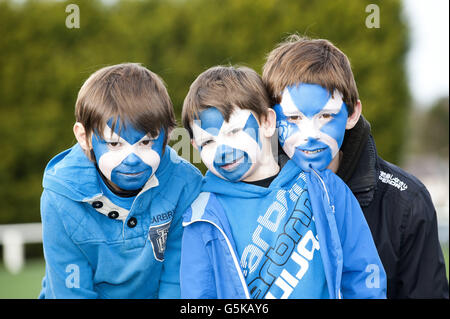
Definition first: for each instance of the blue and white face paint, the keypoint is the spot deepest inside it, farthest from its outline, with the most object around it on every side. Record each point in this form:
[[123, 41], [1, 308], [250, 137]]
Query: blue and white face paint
[[230, 150], [128, 160], [311, 124]]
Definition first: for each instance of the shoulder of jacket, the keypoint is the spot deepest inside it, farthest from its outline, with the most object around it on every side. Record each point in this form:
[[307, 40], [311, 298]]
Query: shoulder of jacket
[[180, 178], [55, 206], [198, 207], [398, 180], [181, 168], [405, 191], [206, 207]]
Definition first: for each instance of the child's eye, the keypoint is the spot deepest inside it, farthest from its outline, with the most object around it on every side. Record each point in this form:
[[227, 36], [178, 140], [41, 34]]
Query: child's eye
[[294, 118], [236, 130], [146, 142], [326, 116], [114, 145], [206, 143]]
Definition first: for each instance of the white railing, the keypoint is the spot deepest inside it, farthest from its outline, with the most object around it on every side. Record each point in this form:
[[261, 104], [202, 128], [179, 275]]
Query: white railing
[[13, 237]]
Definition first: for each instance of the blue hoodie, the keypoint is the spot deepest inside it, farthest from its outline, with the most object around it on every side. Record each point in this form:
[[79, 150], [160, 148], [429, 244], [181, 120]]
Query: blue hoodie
[[95, 249], [210, 265]]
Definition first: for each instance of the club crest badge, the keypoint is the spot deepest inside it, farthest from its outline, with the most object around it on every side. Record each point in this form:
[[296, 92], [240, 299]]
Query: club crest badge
[[158, 238]]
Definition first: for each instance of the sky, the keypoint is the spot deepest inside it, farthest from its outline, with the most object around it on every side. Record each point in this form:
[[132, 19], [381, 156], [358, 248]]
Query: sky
[[428, 58]]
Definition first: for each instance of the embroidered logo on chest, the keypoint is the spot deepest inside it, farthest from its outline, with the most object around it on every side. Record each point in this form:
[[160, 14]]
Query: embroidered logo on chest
[[158, 238]]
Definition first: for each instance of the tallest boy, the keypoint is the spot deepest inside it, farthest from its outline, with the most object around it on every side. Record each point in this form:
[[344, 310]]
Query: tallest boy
[[320, 125]]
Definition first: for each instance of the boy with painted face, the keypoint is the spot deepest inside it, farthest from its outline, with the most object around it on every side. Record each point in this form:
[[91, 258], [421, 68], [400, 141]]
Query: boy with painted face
[[112, 204], [257, 231], [311, 124], [321, 127]]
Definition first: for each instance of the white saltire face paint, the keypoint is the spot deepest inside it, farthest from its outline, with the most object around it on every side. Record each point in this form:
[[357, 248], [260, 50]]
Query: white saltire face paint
[[230, 150], [311, 124], [128, 160]]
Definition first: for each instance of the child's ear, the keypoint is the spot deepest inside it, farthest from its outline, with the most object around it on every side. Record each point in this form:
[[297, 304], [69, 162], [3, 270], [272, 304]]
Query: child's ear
[[80, 134], [269, 123], [353, 119], [194, 145]]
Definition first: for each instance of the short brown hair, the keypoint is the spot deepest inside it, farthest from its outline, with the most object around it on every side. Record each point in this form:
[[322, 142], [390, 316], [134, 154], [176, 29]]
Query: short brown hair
[[225, 87], [127, 91], [316, 61]]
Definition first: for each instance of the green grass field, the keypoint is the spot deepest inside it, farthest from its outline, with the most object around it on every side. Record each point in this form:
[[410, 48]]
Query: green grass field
[[24, 285], [27, 284]]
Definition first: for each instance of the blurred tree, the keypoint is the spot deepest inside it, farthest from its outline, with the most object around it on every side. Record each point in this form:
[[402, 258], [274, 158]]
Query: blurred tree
[[43, 64], [434, 138]]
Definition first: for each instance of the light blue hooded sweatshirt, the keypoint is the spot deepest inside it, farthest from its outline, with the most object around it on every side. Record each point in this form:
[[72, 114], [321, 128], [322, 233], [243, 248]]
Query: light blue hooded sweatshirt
[[95, 249], [211, 266]]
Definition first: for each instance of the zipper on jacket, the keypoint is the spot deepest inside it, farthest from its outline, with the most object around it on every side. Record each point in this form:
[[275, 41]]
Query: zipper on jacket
[[338, 293], [236, 263], [325, 188]]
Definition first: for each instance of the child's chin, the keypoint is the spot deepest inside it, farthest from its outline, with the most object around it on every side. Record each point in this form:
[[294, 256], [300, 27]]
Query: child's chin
[[231, 179], [318, 164], [228, 177], [131, 184]]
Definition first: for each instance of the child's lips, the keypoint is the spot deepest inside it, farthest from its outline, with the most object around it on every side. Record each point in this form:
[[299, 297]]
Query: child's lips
[[132, 174], [312, 152], [231, 166]]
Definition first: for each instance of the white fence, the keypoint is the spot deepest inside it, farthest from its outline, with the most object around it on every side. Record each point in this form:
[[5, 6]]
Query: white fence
[[13, 237]]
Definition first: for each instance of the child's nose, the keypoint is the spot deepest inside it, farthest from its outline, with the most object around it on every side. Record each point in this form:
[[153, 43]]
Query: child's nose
[[131, 160], [309, 130], [225, 154]]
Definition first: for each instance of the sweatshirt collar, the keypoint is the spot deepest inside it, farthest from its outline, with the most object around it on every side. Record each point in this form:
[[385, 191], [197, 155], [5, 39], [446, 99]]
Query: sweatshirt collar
[[214, 184]]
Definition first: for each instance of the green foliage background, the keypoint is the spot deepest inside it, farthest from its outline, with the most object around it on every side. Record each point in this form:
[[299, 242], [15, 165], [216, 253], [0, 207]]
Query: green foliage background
[[43, 64]]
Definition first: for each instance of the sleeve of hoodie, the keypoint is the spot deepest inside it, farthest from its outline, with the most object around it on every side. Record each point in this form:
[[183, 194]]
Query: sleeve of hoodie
[[68, 274], [169, 286], [421, 266], [363, 275], [196, 274]]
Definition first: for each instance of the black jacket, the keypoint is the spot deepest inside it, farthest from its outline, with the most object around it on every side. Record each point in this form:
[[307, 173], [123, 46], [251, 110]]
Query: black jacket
[[401, 217]]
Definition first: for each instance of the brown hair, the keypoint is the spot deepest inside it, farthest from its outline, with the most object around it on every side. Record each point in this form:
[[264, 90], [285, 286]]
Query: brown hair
[[316, 61], [127, 91], [225, 87]]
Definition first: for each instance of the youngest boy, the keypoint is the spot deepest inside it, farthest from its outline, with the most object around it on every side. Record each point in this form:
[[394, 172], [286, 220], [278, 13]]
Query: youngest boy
[[257, 231], [112, 204]]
